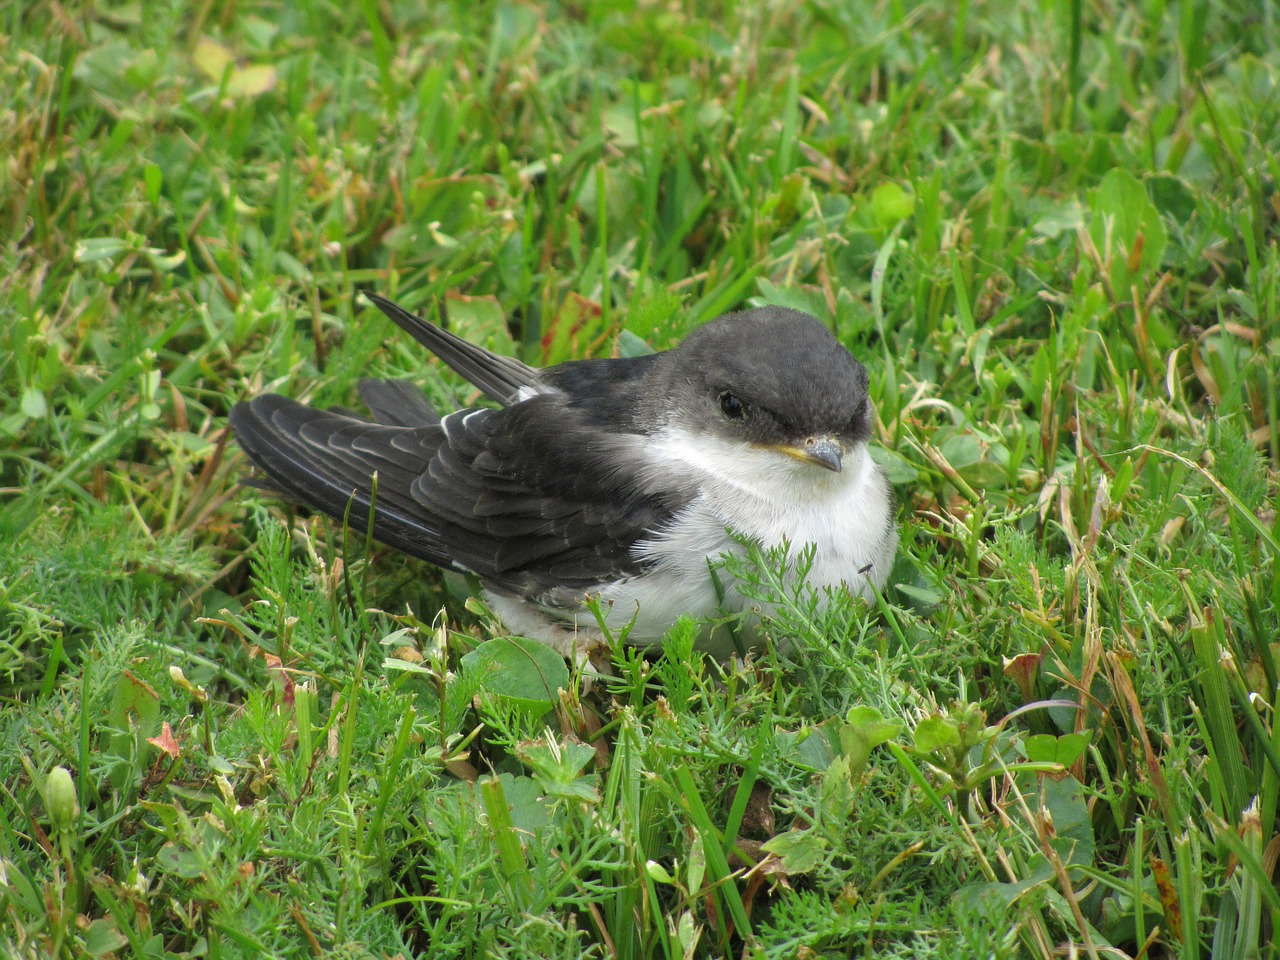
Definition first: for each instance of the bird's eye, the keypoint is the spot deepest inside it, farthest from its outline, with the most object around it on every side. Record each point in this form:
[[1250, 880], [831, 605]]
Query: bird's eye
[[733, 408]]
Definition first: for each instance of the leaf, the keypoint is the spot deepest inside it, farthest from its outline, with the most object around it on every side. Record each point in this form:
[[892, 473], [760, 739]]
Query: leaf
[[630, 345], [837, 791], [212, 58], [864, 729], [696, 866], [1172, 196], [972, 457], [936, 733], [165, 262], [808, 747], [525, 673], [102, 936], [99, 249], [890, 203], [1059, 218], [1066, 750], [898, 468], [620, 121], [1126, 229], [134, 701], [33, 403], [558, 766], [1073, 829], [658, 873], [799, 850], [962, 449], [529, 812], [180, 861], [983, 896], [166, 741], [805, 299], [1023, 670], [924, 596], [252, 80]]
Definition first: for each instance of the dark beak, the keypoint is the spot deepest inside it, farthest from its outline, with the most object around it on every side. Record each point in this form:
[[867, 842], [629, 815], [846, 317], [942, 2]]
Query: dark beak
[[821, 451]]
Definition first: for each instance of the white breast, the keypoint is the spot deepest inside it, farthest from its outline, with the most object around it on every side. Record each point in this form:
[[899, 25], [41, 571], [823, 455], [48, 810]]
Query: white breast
[[768, 498]]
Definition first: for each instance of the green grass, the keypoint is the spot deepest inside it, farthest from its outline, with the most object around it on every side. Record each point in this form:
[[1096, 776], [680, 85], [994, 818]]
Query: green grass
[[1050, 230]]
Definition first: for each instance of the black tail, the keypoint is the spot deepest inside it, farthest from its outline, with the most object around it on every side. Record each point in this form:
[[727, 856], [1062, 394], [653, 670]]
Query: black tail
[[328, 460], [501, 378]]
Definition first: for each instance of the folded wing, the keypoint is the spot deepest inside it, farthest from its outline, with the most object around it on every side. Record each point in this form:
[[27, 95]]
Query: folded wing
[[531, 498], [504, 379]]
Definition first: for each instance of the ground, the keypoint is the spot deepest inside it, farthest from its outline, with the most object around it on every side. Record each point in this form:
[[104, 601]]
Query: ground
[[1049, 230]]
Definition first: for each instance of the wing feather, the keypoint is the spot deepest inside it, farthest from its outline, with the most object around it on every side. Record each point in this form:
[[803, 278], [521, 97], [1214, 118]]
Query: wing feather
[[532, 498], [397, 401], [501, 378]]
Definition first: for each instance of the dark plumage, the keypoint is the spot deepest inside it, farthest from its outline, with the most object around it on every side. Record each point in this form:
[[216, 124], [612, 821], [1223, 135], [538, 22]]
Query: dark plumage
[[548, 497]]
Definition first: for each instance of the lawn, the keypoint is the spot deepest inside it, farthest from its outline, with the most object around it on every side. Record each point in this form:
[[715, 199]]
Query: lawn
[[1051, 231]]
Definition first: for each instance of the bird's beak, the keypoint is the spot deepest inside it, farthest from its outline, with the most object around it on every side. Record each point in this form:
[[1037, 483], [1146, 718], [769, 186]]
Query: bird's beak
[[821, 451]]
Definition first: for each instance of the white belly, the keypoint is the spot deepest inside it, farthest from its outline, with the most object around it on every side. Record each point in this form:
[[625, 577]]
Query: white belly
[[767, 499], [845, 517]]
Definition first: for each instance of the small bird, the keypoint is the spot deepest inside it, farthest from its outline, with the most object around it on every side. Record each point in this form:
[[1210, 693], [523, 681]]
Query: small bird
[[625, 479]]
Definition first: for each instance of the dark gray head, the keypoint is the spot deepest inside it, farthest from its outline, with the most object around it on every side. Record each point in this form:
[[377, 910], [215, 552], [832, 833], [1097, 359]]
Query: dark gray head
[[771, 378]]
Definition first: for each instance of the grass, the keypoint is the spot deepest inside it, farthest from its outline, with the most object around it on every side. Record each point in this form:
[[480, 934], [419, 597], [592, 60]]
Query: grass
[[1048, 229]]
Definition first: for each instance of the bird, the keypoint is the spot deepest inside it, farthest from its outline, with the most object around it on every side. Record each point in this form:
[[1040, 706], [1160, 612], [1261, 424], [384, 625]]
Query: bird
[[625, 480]]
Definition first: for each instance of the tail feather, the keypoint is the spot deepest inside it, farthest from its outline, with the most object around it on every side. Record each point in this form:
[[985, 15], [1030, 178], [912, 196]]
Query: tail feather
[[501, 378], [397, 402], [328, 460]]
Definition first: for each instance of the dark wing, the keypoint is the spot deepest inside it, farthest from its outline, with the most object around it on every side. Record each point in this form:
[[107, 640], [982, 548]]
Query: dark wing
[[326, 458], [530, 498], [564, 494], [397, 402], [501, 378]]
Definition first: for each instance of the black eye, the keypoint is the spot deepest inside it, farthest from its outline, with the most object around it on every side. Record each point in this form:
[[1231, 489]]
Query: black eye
[[733, 408]]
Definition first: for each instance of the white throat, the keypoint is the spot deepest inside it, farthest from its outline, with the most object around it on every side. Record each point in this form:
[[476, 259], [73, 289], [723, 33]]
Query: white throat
[[749, 479], [767, 497]]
